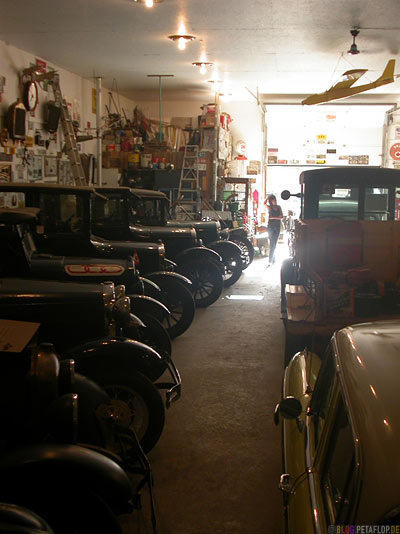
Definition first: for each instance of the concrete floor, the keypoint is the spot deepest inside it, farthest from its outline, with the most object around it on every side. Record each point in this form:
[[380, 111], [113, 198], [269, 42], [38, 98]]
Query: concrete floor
[[217, 465]]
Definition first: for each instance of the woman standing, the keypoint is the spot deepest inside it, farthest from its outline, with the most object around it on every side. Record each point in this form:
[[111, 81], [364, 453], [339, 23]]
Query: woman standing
[[275, 216]]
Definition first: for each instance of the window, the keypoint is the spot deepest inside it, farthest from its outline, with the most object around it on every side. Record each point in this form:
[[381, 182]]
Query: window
[[338, 476], [376, 204], [338, 202], [110, 211], [61, 213], [322, 394], [146, 211]]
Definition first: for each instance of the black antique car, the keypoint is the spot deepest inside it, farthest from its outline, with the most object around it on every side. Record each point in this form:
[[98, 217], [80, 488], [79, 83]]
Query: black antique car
[[142, 213], [211, 232], [60, 429], [117, 218], [87, 323], [63, 227]]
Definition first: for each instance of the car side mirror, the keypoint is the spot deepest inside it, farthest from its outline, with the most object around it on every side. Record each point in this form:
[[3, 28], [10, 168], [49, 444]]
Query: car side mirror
[[289, 408], [285, 195]]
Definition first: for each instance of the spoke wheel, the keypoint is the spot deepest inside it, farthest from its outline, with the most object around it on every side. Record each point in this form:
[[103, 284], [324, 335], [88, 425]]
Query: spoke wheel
[[247, 250], [180, 302], [136, 404], [207, 281], [234, 267]]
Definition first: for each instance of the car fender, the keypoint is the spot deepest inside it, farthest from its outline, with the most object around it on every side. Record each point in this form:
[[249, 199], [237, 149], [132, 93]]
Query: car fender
[[197, 253], [149, 288], [43, 466], [165, 276], [128, 355], [142, 304], [225, 248], [232, 232]]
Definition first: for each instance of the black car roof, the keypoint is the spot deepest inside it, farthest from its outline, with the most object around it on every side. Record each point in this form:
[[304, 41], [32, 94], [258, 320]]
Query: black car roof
[[357, 174], [139, 193]]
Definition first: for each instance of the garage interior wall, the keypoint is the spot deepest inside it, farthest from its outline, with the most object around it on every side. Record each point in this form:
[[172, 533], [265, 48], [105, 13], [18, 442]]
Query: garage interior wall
[[76, 90]]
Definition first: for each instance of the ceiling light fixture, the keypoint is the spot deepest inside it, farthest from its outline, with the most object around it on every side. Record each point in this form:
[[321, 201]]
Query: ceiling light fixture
[[203, 65], [181, 36], [148, 3], [182, 39], [353, 48]]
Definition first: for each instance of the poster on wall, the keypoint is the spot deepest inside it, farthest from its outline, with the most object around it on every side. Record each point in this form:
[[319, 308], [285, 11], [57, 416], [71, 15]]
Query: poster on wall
[[50, 168], [20, 172], [35, 168], [272, 156], [65, 172]]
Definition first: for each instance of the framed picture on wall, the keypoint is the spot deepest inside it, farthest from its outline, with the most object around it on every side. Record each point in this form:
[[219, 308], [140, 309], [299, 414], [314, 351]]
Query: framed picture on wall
[[5, 172]]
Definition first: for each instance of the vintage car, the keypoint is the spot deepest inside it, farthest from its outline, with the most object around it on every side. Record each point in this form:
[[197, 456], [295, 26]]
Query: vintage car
[[340, 433], [92, 324], [119, 218], [63, 227], [149, 214], [346, 252]]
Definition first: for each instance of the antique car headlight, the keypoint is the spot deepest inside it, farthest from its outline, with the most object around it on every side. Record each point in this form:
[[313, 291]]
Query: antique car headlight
[[122, 310], [108, 297], [199, 243], [119, 291], [218, 226]]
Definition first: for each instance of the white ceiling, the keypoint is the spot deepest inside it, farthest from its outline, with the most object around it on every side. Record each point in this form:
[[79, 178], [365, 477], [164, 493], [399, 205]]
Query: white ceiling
[[281, 50]]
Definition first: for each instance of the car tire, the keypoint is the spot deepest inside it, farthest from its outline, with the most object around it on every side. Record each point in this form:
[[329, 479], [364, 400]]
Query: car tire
[[234, 266], [154, 334], [137, 404], [247, 249], [180, 302], [207, 281]]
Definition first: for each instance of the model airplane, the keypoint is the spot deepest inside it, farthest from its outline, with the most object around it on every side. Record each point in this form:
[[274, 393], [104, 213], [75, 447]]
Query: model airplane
[[343, 88]]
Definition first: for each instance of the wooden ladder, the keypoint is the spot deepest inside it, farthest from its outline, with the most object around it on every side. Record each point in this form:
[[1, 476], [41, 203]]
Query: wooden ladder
[[189, 192]]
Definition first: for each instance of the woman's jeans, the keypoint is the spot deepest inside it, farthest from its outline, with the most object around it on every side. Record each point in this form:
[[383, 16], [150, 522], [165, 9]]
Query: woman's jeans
[[273, 233]]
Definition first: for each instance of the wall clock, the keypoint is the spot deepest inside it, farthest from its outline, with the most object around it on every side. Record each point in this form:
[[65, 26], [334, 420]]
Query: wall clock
[[30, 95]]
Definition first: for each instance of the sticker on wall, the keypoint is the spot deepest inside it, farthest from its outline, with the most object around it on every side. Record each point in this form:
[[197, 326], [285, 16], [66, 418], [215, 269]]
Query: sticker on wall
[[395, 151]]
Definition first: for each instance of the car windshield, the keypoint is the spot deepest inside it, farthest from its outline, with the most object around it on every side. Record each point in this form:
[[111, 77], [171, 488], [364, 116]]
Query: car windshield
[[147, 211], [62, 213], [351, 203], [110, 211]]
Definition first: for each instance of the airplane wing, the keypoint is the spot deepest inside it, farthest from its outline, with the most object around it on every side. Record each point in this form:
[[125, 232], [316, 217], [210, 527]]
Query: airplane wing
[[348, 78]]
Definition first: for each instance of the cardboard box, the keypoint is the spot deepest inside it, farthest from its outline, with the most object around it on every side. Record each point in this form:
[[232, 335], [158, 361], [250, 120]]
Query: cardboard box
[[182, 122], [338, 302]]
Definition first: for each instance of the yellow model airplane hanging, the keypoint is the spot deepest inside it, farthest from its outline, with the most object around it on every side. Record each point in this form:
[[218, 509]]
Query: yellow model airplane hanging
[[343, 88]]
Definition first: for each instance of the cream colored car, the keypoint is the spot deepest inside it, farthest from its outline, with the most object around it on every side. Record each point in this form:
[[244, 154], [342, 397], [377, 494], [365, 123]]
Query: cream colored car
[[341, 433]]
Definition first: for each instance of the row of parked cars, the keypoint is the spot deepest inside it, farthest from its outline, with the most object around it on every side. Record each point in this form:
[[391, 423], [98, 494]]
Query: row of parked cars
[[108, 282]]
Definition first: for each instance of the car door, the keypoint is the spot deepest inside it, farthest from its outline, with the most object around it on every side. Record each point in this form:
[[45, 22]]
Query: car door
[[317, 389], [299, 382], [326, 494]]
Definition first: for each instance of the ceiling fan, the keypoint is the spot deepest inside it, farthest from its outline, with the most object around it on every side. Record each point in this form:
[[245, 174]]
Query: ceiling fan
[[353, 48]]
